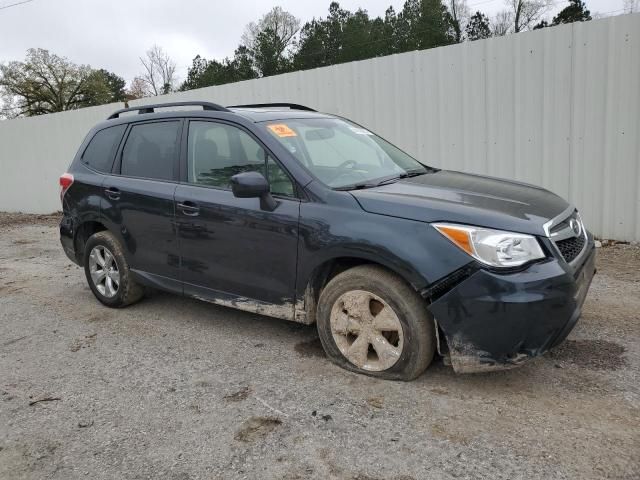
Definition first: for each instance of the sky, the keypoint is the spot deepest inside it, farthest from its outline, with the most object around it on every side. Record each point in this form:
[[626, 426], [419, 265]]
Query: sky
[[113, 34]]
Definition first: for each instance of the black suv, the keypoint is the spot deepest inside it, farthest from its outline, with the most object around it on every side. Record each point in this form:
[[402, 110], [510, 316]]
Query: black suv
[[280, 210]]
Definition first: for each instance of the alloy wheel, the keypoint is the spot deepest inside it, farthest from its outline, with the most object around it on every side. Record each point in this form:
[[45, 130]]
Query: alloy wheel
[[104, 271], [366, 330]]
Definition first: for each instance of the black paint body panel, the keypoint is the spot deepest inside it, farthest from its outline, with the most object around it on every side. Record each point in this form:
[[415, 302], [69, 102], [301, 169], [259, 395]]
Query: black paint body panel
[[235, 253], [464, 198], [143, 221], [494, 320], [233, 246]]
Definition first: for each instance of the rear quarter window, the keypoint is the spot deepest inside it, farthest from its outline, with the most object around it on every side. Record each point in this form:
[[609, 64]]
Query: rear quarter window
[[101, 150]]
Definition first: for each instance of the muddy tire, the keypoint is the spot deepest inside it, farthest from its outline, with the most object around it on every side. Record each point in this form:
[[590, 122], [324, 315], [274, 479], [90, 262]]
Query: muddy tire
[[108, 273], [371, 321]]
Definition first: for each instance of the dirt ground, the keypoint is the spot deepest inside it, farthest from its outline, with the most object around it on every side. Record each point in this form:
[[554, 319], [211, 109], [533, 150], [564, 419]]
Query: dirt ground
[[174, 388]]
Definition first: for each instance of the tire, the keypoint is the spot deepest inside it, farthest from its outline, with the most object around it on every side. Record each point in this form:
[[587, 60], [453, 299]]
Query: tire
[[368, 301], [107, 251]]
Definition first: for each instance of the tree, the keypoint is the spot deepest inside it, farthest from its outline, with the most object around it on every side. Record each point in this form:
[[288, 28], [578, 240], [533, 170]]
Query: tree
[[312, 49], [137, 89], [478, 27], [159, 71], [205, 73], [423, 24], [98, 91], [576, 11], [47, 83], [344, 36], [502, 23], [269, 40], [275, 44], [526, 12], [542, 24], [631, 6], [267, 57], [322, 41], [115, 85], [458, 16]]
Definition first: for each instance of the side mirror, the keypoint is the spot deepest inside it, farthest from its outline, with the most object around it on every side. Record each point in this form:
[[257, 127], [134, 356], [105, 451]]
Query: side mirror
[[252, 185]]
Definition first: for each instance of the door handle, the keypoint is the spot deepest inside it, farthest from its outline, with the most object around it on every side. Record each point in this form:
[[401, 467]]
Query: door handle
[[189, 208], [113, 193]]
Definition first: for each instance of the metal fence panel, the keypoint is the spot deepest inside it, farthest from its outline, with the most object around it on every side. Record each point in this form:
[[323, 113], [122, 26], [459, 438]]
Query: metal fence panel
[[558, 107]]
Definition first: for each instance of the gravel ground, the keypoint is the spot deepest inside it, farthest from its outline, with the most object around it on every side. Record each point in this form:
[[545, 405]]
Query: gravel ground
[[179, 389]]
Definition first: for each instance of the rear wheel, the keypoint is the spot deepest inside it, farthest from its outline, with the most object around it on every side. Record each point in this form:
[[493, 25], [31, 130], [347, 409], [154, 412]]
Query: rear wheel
[[108, 273], [370, 321]]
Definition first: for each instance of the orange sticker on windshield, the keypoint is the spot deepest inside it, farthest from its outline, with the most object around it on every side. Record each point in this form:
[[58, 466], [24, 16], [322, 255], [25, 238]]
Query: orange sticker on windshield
[[282, 130]]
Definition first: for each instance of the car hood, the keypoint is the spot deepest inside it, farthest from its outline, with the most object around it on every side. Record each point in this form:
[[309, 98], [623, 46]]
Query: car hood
[[448, 196]]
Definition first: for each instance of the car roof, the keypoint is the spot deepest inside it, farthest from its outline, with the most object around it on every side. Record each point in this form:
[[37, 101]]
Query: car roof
[[255, 113], [267, 114]]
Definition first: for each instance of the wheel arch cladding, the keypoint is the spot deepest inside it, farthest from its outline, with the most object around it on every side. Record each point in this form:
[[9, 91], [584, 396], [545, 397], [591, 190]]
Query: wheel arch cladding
[[323, 273], [83, 233]]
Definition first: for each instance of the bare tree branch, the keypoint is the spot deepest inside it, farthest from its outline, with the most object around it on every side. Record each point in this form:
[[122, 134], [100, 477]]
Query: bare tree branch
[[526, 13], [159, 71]]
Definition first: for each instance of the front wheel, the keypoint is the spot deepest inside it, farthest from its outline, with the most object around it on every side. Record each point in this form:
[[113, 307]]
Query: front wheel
[[370, 321], [108, 273]]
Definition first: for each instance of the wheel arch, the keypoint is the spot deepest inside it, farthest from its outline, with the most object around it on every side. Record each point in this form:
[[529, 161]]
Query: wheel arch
[[83, 233], [313, 284]]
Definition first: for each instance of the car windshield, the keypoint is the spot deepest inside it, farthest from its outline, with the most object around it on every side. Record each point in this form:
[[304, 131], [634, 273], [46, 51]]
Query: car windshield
[[342, 154]]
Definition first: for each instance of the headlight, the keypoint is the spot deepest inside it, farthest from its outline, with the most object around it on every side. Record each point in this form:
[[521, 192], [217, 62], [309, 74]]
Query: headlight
[[493, 247]]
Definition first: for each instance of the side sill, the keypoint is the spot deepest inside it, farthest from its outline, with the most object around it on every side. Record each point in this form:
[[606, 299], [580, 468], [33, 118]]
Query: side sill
[[157, 281], [287, 310]]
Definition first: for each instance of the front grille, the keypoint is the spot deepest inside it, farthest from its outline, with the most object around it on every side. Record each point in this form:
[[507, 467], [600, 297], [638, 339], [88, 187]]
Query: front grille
[[570, 248]]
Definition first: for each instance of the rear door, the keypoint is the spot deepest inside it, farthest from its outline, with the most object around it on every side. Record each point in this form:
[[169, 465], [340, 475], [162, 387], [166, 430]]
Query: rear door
[[230, 247], [95, 163], [139, 199]]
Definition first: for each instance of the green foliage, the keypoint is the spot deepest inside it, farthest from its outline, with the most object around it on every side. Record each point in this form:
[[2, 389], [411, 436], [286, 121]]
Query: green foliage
[[345, 36], [275, 44], [576, 11], [115, 87], [270, 40], [268, 55], [47, 83], [478, 27], [269, 47], [205, 73], [541, 24]]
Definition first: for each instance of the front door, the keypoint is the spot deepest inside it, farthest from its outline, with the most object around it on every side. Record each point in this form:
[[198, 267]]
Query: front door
[[232, 251]]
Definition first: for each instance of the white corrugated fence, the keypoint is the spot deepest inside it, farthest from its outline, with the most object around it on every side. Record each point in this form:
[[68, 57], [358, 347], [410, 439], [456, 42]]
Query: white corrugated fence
[[558, 107]]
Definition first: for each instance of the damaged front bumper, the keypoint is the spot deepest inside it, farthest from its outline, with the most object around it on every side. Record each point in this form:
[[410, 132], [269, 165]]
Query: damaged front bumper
[[495, 321]]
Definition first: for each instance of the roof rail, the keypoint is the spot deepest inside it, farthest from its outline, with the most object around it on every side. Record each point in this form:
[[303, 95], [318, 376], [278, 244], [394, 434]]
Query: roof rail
[[292, 106], [151, 108]]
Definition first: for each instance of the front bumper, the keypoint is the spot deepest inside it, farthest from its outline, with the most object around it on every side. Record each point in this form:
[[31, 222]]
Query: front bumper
[[495, 321]]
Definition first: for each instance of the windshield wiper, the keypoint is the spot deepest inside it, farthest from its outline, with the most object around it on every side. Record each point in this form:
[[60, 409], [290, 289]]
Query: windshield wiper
[[385, 180], [356, 186], [407, 174]]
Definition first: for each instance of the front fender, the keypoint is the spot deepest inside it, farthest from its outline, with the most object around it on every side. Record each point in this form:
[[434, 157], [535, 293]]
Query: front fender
[[412, 249]]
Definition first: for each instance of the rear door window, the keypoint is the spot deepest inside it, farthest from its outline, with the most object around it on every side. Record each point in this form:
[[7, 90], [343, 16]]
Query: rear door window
[[101, 150], [151, 151]]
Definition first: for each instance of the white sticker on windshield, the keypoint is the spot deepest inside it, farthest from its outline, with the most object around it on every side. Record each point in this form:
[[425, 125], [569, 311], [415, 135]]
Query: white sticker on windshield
[[360, 131]]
